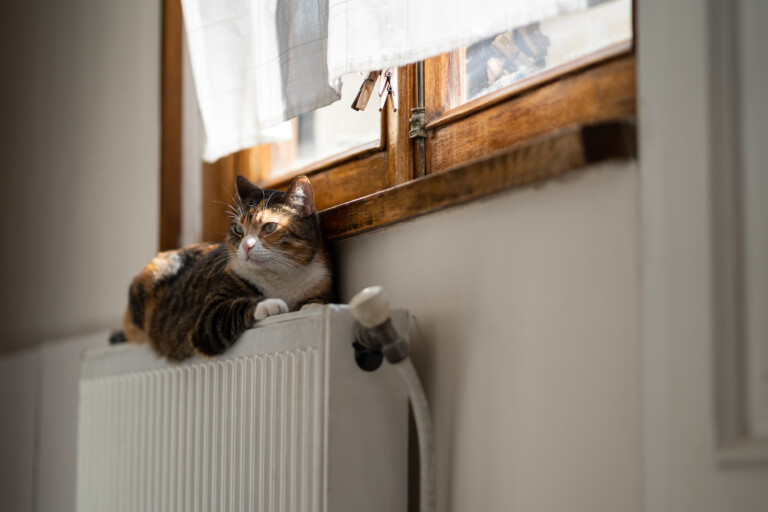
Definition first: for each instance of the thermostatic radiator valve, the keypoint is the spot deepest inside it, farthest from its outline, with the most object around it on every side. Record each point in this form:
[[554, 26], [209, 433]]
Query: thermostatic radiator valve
[[370, 307], [376, 336]]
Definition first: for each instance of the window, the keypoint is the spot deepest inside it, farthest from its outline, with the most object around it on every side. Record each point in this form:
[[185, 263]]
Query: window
[[326, 132], [508, 57], [519, 107]]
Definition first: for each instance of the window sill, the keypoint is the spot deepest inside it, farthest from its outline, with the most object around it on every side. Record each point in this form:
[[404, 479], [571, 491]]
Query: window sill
[[539, 159]]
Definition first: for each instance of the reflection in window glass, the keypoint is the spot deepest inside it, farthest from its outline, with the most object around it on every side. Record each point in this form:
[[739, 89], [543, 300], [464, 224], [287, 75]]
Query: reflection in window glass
[[329, 130], [501, 60]]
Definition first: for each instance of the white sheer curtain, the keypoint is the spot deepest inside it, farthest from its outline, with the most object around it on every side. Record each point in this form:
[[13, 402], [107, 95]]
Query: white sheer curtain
[[257, 63], [376, 34]]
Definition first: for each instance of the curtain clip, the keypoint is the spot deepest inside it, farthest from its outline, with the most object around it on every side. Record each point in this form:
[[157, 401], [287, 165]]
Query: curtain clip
[[364, 94], [389, 88]]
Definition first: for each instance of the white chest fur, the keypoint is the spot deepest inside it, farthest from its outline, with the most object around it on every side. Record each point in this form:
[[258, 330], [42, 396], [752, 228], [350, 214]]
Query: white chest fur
[[292, 286]]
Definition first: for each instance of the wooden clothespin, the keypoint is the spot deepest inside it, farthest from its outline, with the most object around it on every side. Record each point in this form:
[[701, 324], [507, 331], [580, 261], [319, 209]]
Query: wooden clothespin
[[364, 94], [389, 88]]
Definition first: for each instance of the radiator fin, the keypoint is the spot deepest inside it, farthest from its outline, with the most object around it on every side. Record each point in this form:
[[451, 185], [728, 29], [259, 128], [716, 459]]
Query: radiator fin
[[239, 434]]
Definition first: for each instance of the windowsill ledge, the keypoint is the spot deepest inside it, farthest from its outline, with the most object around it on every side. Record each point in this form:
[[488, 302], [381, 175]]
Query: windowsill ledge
[[546, 157]]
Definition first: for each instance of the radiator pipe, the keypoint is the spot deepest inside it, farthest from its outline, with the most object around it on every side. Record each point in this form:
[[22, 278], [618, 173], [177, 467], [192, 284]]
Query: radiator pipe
[[370, 308]]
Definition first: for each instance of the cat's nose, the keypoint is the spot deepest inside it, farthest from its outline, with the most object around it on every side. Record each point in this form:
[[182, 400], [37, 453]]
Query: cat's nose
[[248, 244]]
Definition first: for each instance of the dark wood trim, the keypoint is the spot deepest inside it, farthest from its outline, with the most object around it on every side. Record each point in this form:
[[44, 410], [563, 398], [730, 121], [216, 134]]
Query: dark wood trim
[[359, 152], [343, 182], [218, 184], [400, 148], [546, 157], [170, 159], [350, 181], [436, 94]]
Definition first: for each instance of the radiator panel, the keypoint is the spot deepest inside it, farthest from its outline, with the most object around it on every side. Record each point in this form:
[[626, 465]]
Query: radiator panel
[[255, 430]]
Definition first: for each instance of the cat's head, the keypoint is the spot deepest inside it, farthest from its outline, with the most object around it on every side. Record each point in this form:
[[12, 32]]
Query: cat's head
[[274, 230]]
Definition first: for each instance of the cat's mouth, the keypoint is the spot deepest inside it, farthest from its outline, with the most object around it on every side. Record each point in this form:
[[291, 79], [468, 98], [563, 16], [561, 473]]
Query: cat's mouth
[[258, 259], [267, 260], [254, 259]]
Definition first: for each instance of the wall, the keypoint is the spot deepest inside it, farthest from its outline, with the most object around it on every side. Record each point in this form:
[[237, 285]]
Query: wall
[[80, 157], [678, 119], [528, 306], [754, 119], [79, 141], [19, 388]]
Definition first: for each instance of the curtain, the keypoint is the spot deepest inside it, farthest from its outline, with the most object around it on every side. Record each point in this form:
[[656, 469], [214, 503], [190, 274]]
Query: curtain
[[257, 63], [375, 34]]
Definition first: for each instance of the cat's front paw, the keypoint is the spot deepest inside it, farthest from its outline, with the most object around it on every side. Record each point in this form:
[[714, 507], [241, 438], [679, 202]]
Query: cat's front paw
[[270, 307], [311, 305]]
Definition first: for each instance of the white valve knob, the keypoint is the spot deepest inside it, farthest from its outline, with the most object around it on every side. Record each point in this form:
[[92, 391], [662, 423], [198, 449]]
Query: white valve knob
[[370, 307]]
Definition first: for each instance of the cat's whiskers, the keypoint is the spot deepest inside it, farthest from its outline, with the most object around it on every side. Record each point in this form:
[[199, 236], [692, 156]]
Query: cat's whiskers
[[236, 201], [285, 263], [232, 211], [276, 260]]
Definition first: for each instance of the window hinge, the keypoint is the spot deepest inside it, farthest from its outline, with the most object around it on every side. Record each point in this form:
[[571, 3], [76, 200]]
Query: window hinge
[[418, 122]]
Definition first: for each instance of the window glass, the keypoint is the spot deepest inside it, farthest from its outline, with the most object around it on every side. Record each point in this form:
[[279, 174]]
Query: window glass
[[505, 58], [329, 130]]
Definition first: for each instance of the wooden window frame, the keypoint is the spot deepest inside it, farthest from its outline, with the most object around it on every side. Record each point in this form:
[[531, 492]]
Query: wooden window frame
[[562, 119], [593, 89], [170, 125]]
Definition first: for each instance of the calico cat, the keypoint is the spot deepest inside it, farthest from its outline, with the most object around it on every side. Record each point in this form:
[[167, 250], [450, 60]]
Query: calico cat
[[200, 298]]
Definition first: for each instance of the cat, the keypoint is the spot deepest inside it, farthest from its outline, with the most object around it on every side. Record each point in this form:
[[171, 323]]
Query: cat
[[201, 298]]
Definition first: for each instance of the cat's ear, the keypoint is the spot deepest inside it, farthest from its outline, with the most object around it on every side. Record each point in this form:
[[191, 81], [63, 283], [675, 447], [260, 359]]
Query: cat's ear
[[301, 196], [245, 188]]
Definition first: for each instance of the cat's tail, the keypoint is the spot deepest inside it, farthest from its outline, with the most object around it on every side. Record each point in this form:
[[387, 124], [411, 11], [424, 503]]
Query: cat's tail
[[117, 337]]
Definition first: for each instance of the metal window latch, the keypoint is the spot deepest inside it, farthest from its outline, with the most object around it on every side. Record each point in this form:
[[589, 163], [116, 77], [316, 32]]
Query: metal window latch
[[389, 88], [364, 94], [418, 122]]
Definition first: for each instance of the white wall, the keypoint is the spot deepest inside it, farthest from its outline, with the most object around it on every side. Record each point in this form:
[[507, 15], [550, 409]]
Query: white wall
[[80, 158], [528, 304], [38, 431], [19, 389], [79, 140], [754, 117], [682, 472]]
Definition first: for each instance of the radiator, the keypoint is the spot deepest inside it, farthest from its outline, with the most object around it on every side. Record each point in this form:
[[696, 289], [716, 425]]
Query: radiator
[[284, 421]]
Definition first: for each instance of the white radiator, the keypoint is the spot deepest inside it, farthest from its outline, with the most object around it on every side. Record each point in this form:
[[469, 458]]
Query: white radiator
[[284, 421]]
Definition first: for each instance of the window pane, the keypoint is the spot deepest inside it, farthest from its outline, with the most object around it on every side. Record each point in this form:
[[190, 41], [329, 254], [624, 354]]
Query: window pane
[[329, 130], [510, 56]]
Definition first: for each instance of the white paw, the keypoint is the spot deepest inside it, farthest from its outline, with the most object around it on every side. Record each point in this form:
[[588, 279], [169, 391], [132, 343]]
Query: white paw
[[313, 305], [270, 307]]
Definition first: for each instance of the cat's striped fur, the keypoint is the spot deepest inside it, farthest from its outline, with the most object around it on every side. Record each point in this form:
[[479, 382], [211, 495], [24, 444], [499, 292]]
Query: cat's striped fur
[[200, 298]]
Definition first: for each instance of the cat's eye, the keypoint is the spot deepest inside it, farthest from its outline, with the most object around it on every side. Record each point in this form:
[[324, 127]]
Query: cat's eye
[[238, 229], [270, 227]]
